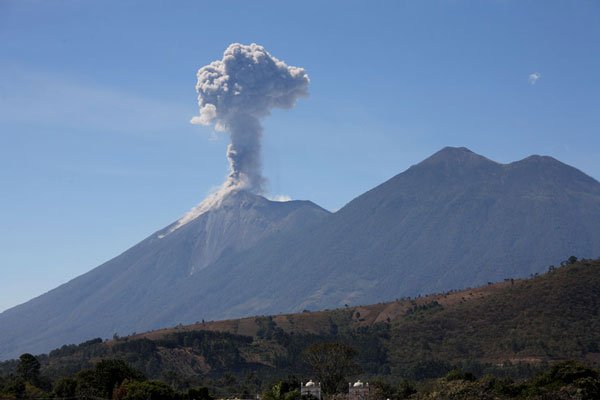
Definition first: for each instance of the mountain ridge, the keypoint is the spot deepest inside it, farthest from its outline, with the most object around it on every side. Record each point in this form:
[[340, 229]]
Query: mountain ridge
[[456, 219]]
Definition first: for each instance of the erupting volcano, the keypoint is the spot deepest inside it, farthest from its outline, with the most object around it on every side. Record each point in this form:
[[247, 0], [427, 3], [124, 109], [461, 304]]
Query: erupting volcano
[[234, 93]]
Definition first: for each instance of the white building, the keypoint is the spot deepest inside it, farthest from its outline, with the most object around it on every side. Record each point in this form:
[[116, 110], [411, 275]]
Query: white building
[[358, 391], [310, 388]]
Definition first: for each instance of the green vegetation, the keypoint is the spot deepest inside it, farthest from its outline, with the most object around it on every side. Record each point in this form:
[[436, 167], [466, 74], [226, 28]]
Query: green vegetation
[[534, 338], [331, 363], [114, 379], [283, 390], [566, 380]]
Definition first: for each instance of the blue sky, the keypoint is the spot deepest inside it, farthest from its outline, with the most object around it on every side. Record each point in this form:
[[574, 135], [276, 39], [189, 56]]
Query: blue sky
[[96, 148]]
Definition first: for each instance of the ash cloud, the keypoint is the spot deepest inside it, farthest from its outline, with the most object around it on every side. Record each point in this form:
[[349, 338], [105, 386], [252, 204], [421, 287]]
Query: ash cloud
[[234, 93]]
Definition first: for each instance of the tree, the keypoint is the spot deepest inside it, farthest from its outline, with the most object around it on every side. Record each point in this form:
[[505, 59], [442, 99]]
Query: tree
[[331, 363], [200, 393], [105, 377], [572, 260], [29, 368], [570, 378], [381, 390], [405, 389], [65, 387], [283, 390], [14, 386], [147, 390]]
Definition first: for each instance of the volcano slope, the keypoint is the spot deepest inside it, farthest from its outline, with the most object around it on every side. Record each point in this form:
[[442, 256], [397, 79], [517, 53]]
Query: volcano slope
[[133, 291], [455, 220]]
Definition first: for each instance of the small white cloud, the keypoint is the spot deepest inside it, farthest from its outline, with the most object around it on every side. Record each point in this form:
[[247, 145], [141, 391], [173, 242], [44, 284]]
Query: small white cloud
[[533, 78], [280, 197]]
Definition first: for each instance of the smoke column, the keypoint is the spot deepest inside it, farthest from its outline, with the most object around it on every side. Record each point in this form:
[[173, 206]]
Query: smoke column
[[234, 93]]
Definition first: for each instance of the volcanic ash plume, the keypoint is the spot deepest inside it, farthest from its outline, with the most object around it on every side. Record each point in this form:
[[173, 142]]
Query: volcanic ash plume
[[235, 93]]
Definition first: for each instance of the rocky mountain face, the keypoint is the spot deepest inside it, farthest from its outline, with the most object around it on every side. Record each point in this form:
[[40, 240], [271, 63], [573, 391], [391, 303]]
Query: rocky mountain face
[[130, 292], [452, 221]]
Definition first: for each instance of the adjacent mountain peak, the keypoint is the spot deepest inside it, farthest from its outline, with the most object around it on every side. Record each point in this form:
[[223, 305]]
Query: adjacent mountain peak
[[462, 162], [543, 160], [455, 156], [548, 170], [540, 158], [451, 154]]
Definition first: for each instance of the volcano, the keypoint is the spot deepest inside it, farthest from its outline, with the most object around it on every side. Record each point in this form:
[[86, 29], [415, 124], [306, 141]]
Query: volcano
[[136, 290], [455, 220]]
